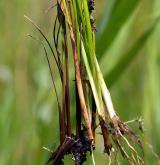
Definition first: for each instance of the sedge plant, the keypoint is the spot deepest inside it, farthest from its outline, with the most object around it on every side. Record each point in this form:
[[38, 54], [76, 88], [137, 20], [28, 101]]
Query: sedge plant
[[93, 101]]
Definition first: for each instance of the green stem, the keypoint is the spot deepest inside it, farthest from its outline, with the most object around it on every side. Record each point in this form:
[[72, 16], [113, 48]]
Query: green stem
[[92, 83], [105, 92]]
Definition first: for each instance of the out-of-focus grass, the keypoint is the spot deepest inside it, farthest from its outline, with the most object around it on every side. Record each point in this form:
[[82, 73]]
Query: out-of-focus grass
[[28, 112]]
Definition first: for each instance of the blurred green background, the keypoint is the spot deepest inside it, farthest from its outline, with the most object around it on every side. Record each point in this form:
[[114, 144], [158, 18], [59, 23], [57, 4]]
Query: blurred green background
[[28, 110]]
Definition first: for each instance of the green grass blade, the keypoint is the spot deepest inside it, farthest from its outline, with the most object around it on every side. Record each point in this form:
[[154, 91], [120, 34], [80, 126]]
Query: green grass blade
[[115, 15], [128, 57], [91, 79]]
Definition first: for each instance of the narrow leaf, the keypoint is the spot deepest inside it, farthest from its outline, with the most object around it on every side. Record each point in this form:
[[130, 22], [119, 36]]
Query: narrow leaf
[[115, 15], [128, 57]]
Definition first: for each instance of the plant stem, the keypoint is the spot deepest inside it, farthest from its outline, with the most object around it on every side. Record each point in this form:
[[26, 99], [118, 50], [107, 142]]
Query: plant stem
[[105, 92], [84, 56]]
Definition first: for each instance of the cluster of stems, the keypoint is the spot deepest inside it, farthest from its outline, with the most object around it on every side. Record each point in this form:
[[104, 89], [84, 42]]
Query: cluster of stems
[[79, 20], [93, 101]]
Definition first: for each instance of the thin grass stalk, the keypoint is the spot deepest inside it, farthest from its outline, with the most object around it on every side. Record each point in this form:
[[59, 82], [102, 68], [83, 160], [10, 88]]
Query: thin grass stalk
[[48, 43], [67, 95], [78, 114], [93, 124], [55, 39]]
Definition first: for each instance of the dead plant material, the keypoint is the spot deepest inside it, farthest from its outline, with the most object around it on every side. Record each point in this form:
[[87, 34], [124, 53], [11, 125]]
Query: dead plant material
[[78, 148]]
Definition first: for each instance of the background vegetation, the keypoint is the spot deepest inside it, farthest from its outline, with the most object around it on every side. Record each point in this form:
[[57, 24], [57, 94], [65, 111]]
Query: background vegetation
[[28, 110]]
